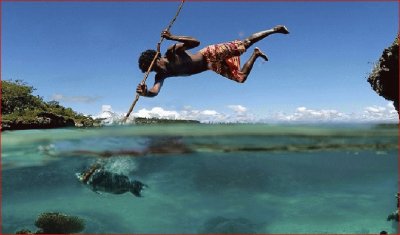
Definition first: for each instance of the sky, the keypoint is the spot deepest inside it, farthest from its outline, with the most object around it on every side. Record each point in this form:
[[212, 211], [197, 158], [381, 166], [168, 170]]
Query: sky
[[84, 55]]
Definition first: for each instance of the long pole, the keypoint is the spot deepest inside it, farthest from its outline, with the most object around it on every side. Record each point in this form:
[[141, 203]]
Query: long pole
[[152, 63]]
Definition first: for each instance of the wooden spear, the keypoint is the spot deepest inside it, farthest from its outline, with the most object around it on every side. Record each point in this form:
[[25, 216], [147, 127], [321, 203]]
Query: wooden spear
[[152, 62]]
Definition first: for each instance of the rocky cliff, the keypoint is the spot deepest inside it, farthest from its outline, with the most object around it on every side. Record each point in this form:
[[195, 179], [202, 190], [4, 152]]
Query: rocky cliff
[[384, 78]]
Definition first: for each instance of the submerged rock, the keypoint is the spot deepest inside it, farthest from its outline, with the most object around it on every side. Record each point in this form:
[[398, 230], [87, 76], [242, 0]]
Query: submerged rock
[[395, 215], [56, 223], [24, 231], [384, 78]]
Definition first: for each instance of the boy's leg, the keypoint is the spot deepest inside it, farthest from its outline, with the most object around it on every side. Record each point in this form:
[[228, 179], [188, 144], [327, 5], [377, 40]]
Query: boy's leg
[[248, 42], [249, 64]]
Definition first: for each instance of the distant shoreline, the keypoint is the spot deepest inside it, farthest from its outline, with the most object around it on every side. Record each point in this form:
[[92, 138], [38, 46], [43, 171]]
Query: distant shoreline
[[69, 123]]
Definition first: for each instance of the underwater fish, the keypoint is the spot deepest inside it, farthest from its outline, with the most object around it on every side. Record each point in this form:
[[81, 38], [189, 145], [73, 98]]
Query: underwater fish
[[99, 179]]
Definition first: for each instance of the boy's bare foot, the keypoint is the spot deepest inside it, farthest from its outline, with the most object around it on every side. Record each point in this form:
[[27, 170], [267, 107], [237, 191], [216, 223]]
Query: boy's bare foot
[[281, 29], [260, 53]]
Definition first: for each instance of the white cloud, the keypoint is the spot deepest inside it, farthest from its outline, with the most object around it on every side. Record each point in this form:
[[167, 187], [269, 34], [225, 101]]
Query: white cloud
[[106, 108], [369, 114], [157, 112], [74, 99], [238, 108], [374, 110], [57, 97], [240, 114], [209, 112], [304, 114], [204, 116], [188, 113], [379, 113]]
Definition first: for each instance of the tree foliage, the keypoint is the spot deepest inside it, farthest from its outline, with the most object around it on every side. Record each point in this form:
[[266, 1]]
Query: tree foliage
[[17, 97], [19, 104]]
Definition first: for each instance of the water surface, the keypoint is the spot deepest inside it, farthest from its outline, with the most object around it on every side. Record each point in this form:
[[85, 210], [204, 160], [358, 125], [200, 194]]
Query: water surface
[[207, 178]]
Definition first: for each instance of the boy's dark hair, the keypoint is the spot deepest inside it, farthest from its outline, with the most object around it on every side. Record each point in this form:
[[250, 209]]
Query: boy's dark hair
[[145, 59]]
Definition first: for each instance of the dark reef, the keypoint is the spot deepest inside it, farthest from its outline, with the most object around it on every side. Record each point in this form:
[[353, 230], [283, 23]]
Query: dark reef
[[56, 223]]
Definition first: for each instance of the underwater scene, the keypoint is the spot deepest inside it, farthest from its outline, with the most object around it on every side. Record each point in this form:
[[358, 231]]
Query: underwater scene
[[202, 178]]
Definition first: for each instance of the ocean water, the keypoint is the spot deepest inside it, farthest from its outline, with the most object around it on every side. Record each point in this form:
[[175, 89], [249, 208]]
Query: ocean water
[[267, 179]]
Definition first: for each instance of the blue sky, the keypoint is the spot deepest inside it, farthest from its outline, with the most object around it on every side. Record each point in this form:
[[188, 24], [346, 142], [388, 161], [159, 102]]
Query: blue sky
[[84, 54]]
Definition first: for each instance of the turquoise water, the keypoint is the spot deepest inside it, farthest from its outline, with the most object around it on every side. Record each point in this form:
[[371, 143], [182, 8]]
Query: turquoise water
[[207, 178]]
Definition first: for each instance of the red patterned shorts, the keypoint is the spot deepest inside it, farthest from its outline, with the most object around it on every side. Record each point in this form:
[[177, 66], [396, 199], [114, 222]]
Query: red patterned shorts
[[225, 58]]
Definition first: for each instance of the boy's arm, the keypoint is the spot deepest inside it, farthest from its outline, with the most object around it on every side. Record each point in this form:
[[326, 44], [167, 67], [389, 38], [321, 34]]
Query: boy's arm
[[142, 88], [186, 42]]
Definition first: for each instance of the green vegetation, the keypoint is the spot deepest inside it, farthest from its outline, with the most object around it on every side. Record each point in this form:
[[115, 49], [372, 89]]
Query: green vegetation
[[20, 109]]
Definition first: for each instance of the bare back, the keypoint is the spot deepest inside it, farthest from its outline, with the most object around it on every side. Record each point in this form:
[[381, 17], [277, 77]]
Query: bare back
[[183, 63]]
